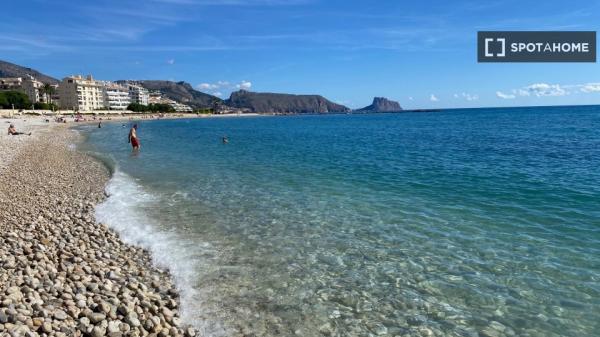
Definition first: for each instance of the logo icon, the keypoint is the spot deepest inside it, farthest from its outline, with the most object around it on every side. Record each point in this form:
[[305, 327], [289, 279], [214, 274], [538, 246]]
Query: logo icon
[[502, 53]]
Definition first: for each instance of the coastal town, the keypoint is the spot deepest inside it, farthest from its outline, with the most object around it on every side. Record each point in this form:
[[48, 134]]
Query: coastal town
[[24, 90], [84, 94]]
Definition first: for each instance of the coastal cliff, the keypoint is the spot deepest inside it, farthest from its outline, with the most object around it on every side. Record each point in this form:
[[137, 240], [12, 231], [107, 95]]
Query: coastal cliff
[[282, 103]]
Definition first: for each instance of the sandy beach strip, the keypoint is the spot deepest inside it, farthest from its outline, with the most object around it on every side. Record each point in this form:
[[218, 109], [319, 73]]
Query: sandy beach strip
[[61, 273]]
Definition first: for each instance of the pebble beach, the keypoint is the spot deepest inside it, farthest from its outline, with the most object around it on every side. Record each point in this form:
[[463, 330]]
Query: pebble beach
[[61, 273]]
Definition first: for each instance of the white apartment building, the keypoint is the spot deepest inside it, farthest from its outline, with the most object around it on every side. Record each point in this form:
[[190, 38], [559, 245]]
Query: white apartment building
[[156, 98], [82, 94], [10, 83], [138, 94], [116, 97], [181, 107], [32, 87]]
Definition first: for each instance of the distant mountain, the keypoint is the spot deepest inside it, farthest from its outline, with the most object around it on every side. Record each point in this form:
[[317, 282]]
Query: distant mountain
[[282, 103], [8, 69], [181, 92], [381, 104]]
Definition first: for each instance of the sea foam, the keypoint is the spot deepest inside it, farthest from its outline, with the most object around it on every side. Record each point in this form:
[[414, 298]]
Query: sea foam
[[123, 212]]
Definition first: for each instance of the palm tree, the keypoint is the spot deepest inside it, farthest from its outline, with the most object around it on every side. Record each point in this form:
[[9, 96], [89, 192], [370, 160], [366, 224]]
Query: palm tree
[[48, 90]]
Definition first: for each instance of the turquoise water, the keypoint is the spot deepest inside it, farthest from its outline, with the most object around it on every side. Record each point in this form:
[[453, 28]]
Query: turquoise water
[[480, 222]]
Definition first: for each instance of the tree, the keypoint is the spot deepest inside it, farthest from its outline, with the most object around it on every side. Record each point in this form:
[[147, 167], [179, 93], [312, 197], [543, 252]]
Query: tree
[[161, 107], [3, 101], [45, 106], [16, 98], [137, 107], [204, 111], [152, 107]]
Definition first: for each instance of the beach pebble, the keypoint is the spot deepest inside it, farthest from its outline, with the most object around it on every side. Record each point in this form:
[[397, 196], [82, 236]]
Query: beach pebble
[[61, 274], [60, 315]]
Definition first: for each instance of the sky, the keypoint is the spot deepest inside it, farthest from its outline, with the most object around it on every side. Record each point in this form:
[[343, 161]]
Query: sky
[[420, 53]]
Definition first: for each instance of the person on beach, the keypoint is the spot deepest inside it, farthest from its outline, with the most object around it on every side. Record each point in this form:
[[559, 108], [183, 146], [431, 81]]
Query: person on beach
[[133, 139], [13, 131]]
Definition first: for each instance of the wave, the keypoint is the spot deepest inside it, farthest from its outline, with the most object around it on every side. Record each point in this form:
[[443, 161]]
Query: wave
[[176, 252]]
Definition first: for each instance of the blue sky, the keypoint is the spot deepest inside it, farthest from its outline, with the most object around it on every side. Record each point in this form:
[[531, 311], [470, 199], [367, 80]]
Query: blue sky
[[420, 53]]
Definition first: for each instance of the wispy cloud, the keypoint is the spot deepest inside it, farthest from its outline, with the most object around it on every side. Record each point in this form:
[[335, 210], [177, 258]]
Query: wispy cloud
[[545, 89], [433, 98], [467, 96], [590, 88], [502, 95]]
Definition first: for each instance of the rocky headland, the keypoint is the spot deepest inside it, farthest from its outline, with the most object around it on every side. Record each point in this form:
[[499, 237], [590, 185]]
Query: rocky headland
[[264, 102], [382, 104]]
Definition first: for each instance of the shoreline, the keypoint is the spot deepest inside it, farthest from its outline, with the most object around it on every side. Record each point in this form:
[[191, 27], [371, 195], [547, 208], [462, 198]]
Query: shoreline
[[62, 273], [29, 114]]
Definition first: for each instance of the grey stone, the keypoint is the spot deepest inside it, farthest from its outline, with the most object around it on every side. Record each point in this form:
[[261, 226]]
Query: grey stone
[[60, 315]]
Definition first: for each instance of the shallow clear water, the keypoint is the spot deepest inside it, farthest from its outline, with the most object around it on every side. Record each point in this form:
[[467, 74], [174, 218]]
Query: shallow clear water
[[458, 223]]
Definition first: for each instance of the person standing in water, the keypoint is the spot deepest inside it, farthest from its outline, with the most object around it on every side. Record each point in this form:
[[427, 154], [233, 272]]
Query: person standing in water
[[133, 139]]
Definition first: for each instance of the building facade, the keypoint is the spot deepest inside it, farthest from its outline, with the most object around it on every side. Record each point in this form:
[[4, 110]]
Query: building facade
[[10, 83], [138, 94], [156, 98], [116, 97], [179, 107], [32, 88], [81, 94]]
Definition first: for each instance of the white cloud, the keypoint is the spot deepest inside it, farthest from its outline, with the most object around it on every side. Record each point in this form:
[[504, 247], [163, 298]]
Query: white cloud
[[213, 86], [218, 87], [171, 61], [545, 89], [469, 97], [502, 95], [245, 85], [456, 96], [433, 98], [590, 87], [206, 86], [410, 98]]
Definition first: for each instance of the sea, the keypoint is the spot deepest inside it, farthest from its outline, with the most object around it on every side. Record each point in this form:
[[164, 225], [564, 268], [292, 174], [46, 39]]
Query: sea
[[465, 222]]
